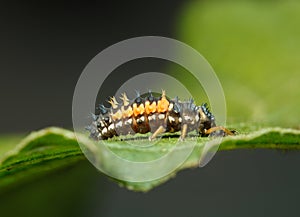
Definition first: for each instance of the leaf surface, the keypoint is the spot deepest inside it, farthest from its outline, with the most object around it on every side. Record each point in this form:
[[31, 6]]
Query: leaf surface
[[54, 148]]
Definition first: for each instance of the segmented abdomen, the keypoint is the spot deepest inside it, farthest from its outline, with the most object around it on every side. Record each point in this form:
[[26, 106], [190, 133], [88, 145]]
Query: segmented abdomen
[[143, 115]]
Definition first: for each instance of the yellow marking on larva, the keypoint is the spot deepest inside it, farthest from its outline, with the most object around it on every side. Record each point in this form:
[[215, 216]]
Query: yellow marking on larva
[[150, 108], [138, 110], [113, 102], [124, 99], [127, 113], [117, 115], [163, 103]]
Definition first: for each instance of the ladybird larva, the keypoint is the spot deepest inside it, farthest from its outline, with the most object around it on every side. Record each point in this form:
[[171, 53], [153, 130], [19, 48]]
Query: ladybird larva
[[155, 115]]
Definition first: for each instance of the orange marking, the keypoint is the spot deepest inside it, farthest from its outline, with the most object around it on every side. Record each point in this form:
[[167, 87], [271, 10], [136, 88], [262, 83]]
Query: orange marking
[[117, 115], [150, 108], [127, 113], [138, 110], [162, 105]]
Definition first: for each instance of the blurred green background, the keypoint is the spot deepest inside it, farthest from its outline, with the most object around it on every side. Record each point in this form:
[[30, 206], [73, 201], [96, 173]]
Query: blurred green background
[[254, 47]]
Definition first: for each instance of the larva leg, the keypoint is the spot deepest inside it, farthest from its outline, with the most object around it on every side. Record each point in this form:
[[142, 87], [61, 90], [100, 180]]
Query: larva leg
[[214, 129], [183, 132], [160, 130]]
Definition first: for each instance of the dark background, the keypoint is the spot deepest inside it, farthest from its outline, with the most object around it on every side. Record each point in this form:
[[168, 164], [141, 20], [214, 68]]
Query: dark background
[[44, 48]]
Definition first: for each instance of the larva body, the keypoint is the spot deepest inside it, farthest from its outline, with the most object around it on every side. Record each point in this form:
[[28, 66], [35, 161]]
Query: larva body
[[155, 115]]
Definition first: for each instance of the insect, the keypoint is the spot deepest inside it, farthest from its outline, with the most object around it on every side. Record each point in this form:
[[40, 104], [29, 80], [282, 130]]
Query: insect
[[156, 115]]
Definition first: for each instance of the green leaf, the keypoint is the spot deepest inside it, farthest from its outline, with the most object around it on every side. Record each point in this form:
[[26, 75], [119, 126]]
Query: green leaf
[[37, 154], [53, 148]]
